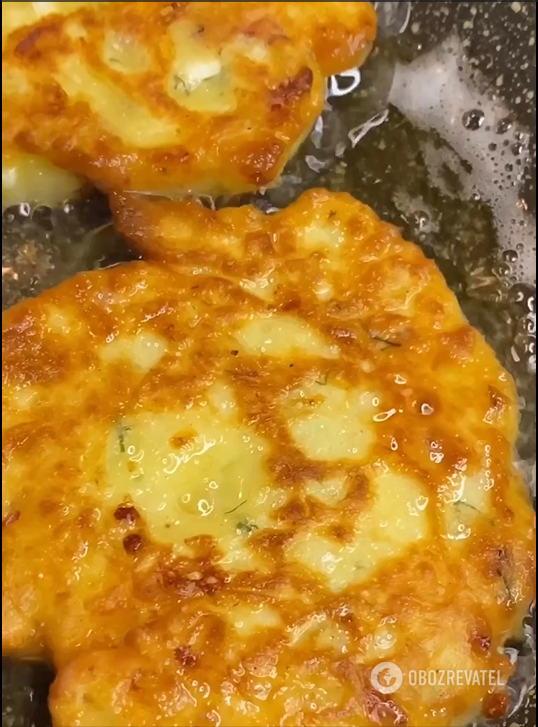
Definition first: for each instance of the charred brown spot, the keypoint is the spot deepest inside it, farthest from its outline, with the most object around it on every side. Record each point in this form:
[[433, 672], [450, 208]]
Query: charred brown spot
[[171, 12], [358, 488], [11, 518], [481, 644], [345, 335], [28, 45], [211, 583], [427, 406], [384, 343], [500, 560], [54, 100], [185, 657], [273, 540], [169, 159], [384, 712], [132, 543], [458, 344], [295, 471], [293, 89], [265, 29], [495, 706], [345, 616], [341, 533], [136, 678], [47, 507], [178, 441], [497, 404], [207, 581], [170, 577], [245, 375], [259, 161], [294, 511], [259, 243], [293, 304], [87, 518], [127, 513]]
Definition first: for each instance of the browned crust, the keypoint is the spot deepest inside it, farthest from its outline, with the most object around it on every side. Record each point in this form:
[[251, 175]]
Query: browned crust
[[277, 99], [151, 625]]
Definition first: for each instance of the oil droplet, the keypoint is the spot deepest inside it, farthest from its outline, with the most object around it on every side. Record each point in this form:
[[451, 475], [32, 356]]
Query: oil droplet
[[426, 410], [510, 256], [503, 126], [24, 209], [503, 270], [384, 415], [421, 221], [473, 119]]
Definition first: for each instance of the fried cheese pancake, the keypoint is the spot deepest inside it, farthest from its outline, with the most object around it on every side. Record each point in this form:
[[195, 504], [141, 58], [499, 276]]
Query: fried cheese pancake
[[204, 97], [239, 478]]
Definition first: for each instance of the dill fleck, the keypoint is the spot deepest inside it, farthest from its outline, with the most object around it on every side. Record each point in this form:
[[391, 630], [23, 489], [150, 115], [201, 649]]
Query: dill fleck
[[121, 431], [461, 503], [236, 507], [386, 342], [245, 527], [179, 84]]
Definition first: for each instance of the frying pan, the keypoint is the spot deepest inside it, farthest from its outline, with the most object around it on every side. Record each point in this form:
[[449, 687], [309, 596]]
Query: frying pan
[[437, 134]]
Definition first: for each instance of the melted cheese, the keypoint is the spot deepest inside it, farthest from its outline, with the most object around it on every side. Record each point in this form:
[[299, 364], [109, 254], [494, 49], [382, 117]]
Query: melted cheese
[[194, 473], [143, 350], [27, 178], [331, 423], [125, 54], [156, 97], [121, 116], [282, 336], [391, 521], [198, 80]]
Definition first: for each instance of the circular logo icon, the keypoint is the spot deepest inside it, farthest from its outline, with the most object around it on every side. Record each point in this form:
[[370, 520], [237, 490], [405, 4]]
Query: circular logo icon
[[386, 677]]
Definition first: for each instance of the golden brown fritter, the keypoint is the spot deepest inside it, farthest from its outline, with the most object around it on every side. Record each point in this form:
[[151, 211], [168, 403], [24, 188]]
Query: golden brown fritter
[[229, 494], [203, 97]]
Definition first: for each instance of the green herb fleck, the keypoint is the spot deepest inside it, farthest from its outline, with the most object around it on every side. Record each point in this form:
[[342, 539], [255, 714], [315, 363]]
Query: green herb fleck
[[179, 84], [236, 508], [461, 503], [245, 527], [386, 343], [121, 431]]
